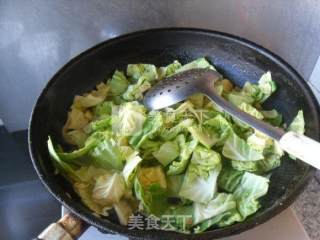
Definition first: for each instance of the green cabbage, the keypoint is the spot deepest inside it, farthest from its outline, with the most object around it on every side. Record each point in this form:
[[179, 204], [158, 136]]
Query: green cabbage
[[273, 117], [191, 161], [107, 154], [167, 152], [198, 188], [203, 135], [151, 126], [118, 83], [186, 148], [222, 203], [128, 118], [247, 193], [130, 168], [266, 85], [153, 198], [169, 70], [109, 189], [143, 75], [200, 181], [236, 148], [297, 124], [147, 71], [229, 179], [198, 63]]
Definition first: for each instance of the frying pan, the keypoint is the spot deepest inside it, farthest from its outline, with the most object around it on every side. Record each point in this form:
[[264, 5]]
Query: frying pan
[[236, 58]]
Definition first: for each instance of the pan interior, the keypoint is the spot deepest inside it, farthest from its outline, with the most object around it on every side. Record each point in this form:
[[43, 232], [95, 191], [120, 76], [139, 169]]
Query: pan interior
[[236, 59]]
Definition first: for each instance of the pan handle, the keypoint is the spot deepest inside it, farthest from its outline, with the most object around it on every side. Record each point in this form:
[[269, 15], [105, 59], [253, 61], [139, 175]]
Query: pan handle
[[69, 227], [302, 147]]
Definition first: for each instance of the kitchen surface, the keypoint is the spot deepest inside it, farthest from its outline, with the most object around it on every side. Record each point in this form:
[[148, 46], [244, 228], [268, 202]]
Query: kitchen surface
[[39, 37]]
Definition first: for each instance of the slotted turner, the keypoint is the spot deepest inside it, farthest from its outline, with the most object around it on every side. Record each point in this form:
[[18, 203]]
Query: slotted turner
[[180, 86]]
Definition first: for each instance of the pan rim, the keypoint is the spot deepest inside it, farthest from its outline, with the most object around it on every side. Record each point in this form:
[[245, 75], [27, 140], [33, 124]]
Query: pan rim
[[218, 233]]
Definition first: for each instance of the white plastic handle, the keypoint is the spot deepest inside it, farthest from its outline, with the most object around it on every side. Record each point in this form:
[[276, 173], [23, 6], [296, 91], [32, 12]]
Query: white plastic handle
[[302, 147]]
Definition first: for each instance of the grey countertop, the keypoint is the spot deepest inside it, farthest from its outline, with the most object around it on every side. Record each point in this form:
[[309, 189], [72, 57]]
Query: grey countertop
[[307, 208]]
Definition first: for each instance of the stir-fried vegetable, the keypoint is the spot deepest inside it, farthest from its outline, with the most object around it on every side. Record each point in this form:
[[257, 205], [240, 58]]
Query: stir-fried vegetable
[[192, 159]]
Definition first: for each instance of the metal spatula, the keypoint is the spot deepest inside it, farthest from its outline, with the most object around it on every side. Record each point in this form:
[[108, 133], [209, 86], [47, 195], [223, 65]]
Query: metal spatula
[[182, 85]]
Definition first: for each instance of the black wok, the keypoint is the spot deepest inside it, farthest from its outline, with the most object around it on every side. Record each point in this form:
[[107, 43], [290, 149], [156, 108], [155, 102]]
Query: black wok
[[236, 58]]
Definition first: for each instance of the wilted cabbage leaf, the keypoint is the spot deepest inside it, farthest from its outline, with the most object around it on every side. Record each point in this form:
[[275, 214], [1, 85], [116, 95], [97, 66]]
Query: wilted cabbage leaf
[[236, 148], [191, 161], [109, 189], [200, 181]]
